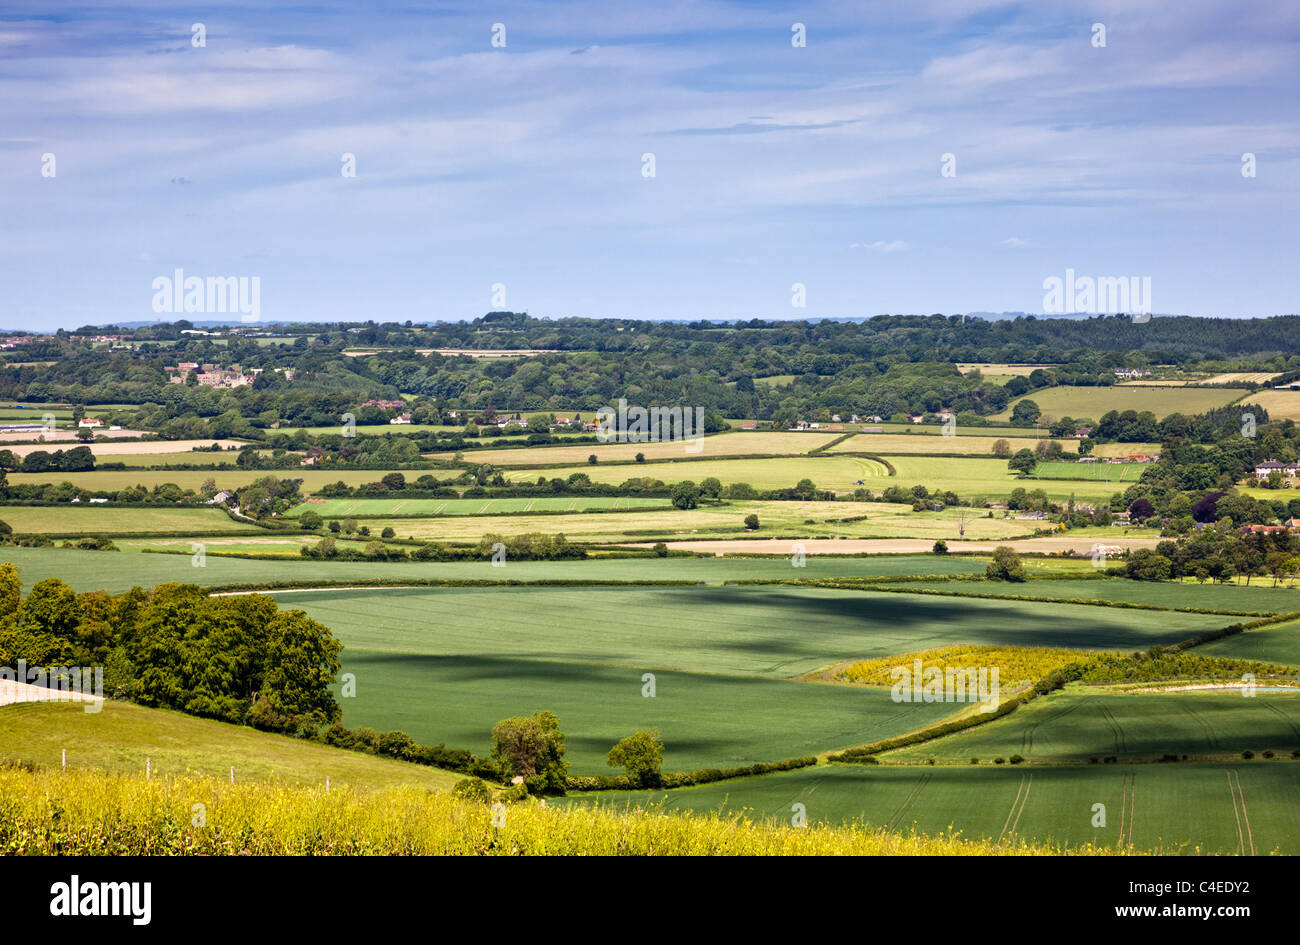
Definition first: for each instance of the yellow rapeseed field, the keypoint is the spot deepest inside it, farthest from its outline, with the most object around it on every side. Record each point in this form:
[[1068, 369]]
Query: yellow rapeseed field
[[51, 812]]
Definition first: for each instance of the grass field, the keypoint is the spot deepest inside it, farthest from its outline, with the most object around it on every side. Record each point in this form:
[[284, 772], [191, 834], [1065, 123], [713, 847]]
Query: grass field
[[84, 519], [1094, 402], [1083, 723], [896, 444], [332, 508], [726, 444], [1119, 475], [1187, 808], [984, 478], [122, 735]]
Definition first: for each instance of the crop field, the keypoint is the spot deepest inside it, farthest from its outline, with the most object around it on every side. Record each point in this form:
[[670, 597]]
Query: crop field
[[89, 570], [792, 520], [895, 444], [725, 444], [827, 472], [445, 664], [142, 453], [1280, 404], [85, 519], [1183, 808], [983, 478], [114, 479], [335, 508], [1227, 598], [1093, 402], [1121, 475], [1277, 643], [122, 735], [1081, 723]]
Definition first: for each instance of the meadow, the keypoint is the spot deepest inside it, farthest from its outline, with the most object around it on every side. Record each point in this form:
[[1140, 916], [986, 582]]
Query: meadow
[[1225, 598], [1280, 404], [1279, 643]]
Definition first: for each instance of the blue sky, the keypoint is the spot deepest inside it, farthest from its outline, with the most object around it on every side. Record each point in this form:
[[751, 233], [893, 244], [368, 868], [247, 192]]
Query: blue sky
[[522, 165]]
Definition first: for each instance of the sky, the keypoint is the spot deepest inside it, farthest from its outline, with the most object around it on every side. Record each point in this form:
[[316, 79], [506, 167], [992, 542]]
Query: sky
[[914, 157]]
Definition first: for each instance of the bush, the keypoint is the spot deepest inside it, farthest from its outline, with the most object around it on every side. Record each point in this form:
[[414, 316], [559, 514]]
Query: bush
[[1016, 759], [751, 522], [473, 789], [940, 548], [1005, 565]]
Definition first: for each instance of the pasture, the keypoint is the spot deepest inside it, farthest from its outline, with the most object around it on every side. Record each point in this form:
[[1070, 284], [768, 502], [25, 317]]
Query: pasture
[[1280, 404]]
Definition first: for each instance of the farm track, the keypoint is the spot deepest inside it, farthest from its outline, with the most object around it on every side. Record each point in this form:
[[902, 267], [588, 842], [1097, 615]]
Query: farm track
[[1245, 837], [896, 820], [1017, 806], [1128, 803]]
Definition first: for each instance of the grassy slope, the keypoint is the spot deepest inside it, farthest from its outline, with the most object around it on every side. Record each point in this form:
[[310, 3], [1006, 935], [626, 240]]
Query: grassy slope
[[1279, 643], [122, 735], [1257, 598]]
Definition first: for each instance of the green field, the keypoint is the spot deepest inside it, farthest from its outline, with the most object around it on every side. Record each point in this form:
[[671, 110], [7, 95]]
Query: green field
[[1119, 475], [1257, 598], [827, 472], [121, 736], [1278, 643], [729, 444], [1187, 808], [445, 664], [85, 519], [88, 570], [1083, 723], [114, 479], [901, 444], [334, 508], [706, 720], [1094, 402]]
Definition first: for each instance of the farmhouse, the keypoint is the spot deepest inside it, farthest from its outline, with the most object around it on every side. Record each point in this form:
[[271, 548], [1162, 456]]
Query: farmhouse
[[1263, 470], [90, 422]]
